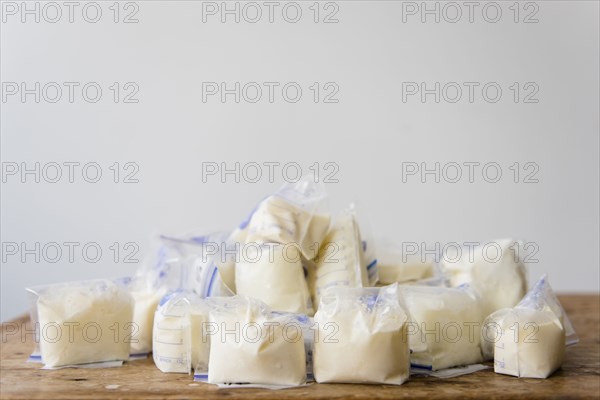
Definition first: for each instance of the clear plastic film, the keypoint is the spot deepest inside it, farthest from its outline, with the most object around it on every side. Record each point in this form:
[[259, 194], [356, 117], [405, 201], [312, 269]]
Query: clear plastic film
[[361, 337], [198, 258]]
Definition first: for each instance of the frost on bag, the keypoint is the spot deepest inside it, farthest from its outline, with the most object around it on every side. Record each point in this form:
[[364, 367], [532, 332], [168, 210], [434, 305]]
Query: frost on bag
[[82, 322], [251, 344], [445, 326], [178, 341], [495, 271], [361, 337], [342, 259], [529, 340]]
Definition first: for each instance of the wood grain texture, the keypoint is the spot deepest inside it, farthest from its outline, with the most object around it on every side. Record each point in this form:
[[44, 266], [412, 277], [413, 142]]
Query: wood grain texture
[[579, 376]]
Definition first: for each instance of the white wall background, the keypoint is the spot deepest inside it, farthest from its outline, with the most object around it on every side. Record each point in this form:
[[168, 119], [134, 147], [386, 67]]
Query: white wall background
[[369, 133]]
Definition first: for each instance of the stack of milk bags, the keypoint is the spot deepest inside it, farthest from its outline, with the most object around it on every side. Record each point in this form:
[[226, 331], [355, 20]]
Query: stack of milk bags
[[296, 293]]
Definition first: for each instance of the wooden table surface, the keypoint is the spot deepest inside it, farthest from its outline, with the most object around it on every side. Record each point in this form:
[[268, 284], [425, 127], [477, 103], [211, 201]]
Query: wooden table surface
[[578, 377]]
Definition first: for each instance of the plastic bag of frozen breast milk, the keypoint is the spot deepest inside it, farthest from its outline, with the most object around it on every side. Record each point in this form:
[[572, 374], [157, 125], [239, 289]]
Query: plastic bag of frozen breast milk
[[402, 264], [251, 344], [361, 337], [177, 263], [178, 341], [146, 299], [198, 258], [529, 340], [82, 322], [274, 274], [495, 271], [341, 260], [293, 215], [445, 326]]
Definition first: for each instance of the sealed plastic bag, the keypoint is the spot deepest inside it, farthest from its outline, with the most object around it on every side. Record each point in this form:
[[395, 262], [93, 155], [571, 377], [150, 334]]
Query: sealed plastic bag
[[529, 340], [145, 300], [178, 263], [251, 344], [445, 326], [341, 259], [152, 281], [178, 341], [293, 215], [82, 322], [274, 274], [361, 337], [284, 229], [496, 272], [198, 258]]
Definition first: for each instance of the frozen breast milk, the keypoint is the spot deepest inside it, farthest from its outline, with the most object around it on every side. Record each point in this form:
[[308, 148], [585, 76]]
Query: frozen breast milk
[[529, 340], [178, 343], [250, 344], [226, 258], [495, 272], [145, 303], [361, 337], [396, 267], [445, 327], [277, 220], [315, 234], [340, 259], [531, 345], [79, 322], [274, 274]]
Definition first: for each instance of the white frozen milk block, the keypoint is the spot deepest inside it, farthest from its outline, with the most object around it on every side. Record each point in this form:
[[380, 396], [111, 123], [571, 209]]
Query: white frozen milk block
[[499, 279], [254, 346], [529, 340], [531, 344], [361, 337], [273, 274], [79, 322], [446, 326]]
